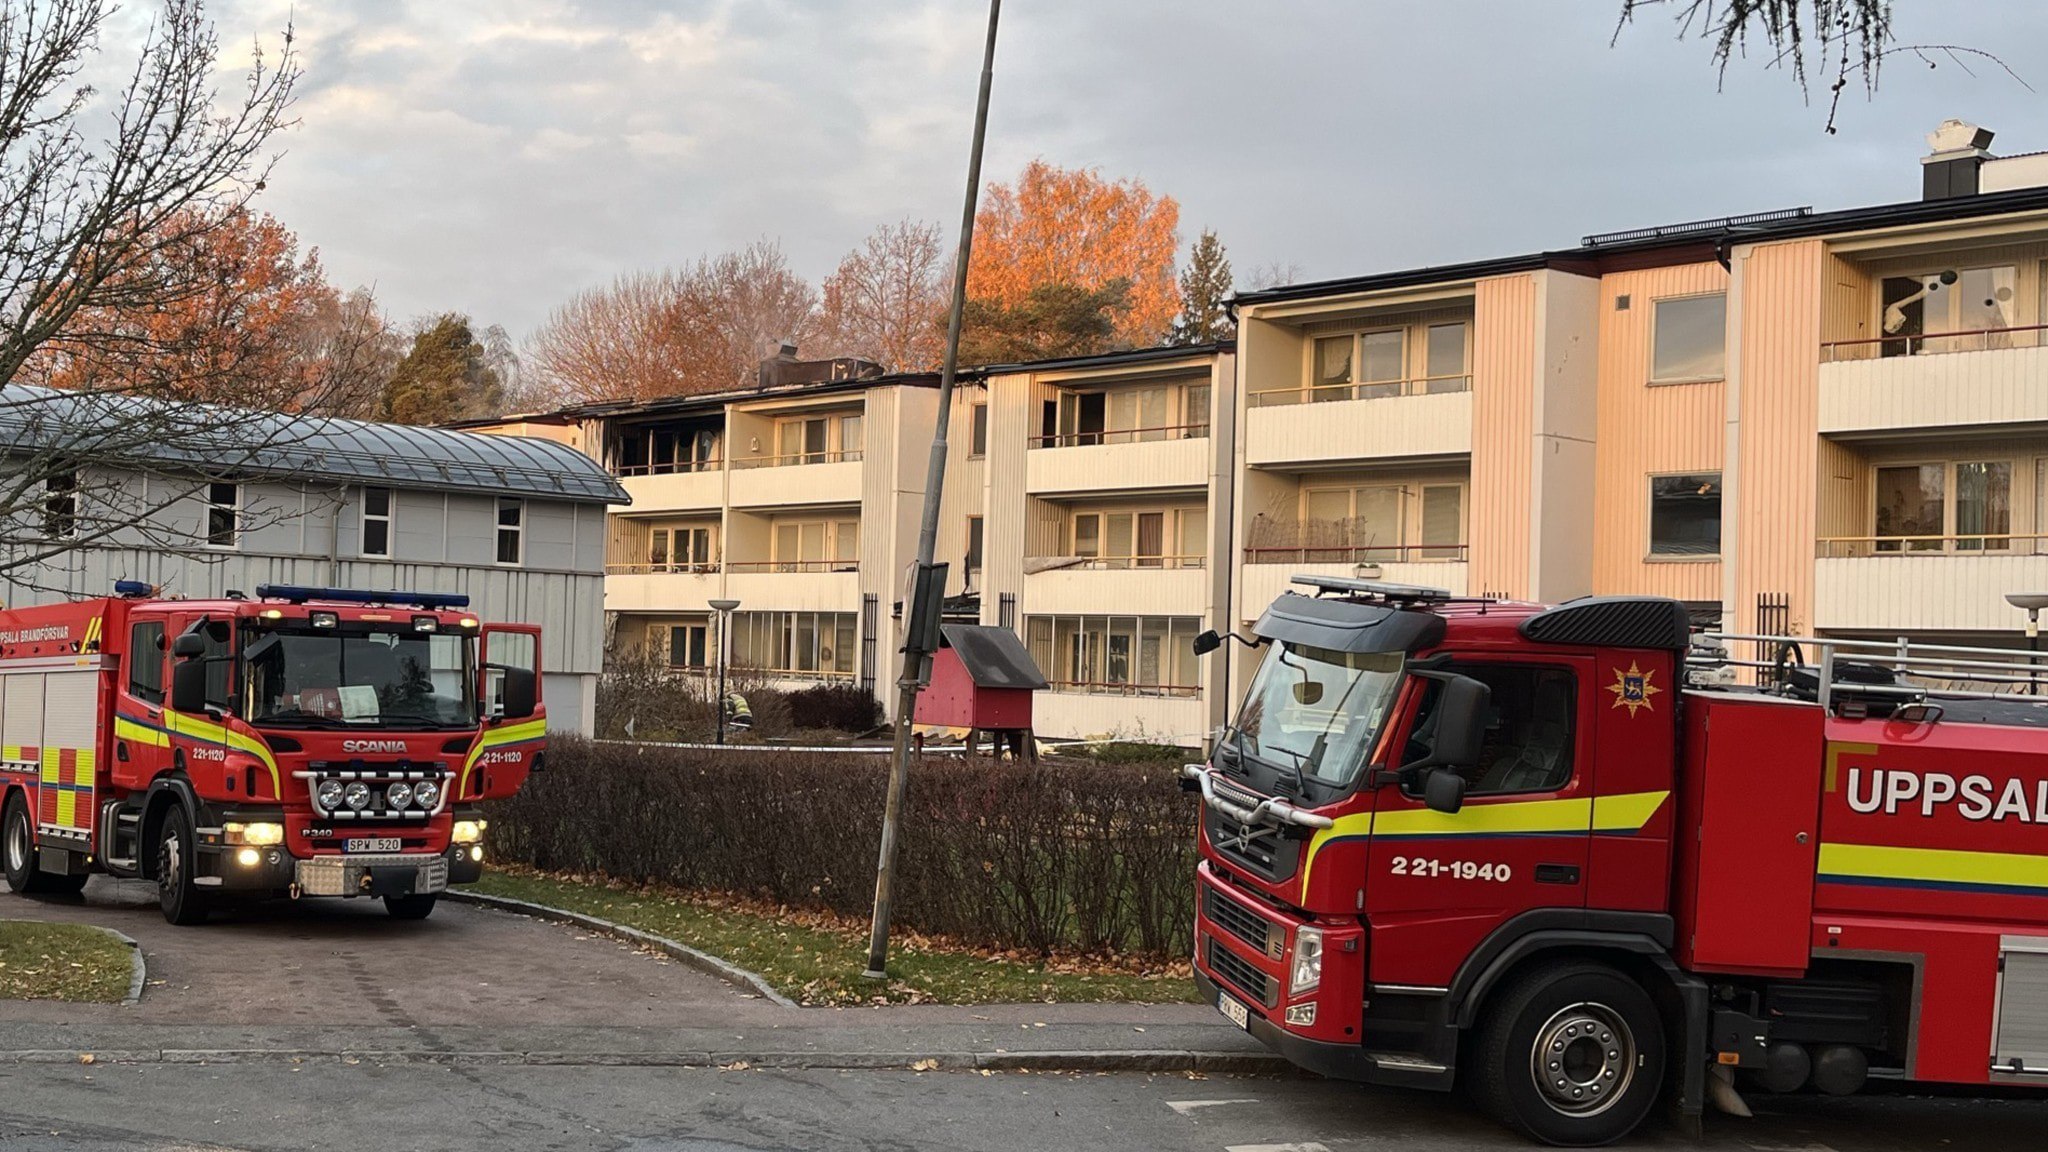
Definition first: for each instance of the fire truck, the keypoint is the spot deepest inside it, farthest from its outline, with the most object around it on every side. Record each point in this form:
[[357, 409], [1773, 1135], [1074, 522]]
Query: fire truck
[[303, 742], [1523, 851]]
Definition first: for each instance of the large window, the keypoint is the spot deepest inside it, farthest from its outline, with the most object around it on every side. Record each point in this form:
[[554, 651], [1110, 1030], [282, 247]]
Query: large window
[[1959, 506], [146, 661], [668, 448], [818, 439], [1361, 366], [687, 548], [511, 530], [223, 514], [1117, 655], [798, 645], [376, 521], [1689, 341], [1685, 515], [1919, 313], [1529, 731], [1139, 538], [688, 646], [1447, 371], [816, 546], [1133, 414]]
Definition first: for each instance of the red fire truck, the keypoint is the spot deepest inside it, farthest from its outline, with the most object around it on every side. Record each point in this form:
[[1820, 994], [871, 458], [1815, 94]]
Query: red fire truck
[[306, 742], [1518, 849]]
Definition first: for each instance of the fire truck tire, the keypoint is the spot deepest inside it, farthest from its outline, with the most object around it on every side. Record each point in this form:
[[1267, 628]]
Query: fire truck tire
[[1570, 1053], [18, 850], [176, 855], [410, 907]]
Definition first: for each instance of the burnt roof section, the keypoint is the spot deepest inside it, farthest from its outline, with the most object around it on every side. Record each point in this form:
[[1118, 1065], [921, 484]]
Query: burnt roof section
[[600, 409], [993, 656], [1613, 622], [1785, 224], [206, 439]]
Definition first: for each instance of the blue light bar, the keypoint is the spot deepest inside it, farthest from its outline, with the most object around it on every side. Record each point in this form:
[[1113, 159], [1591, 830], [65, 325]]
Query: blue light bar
[[299, 594], [134, 588]]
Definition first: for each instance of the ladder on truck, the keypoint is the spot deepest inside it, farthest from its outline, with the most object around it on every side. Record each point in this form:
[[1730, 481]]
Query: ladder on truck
[[1901, 671]]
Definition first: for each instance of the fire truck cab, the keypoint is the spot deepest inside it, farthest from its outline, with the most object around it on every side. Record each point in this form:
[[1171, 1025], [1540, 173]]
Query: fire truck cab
[[306, 742], [1515, 848]]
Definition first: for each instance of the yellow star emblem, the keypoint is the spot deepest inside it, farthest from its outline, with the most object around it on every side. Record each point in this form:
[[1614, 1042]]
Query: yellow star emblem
[[1632, 689]]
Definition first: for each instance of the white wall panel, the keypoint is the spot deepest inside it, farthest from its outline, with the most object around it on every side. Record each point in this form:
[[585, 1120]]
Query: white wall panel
[[1345, 430]]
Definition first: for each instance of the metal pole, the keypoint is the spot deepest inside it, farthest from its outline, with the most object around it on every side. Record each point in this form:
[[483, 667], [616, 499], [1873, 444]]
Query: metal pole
[[2033, 651], [721, 677], [928, 533]]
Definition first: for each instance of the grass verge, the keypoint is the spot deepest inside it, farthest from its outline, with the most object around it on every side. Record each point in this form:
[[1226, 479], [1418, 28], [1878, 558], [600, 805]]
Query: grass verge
[[62, 962], [817, 959]]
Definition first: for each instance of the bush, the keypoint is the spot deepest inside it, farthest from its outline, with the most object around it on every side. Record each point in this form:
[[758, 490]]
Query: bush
[[666, 706], [844, 707], [1054, 856]]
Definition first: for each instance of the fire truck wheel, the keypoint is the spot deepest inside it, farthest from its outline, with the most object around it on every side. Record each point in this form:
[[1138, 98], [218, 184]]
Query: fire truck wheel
[[181, 900], [17, 846], [1570, 1053], [410, 907]]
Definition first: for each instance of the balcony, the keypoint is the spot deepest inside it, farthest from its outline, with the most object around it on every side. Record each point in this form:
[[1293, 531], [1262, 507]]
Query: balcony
[[1388, 420], [1147, 586], [1268, 572], [1132, 459], [1928, 583], [794, 586], [807, 478], [1985, 377], [659, 588], [701, 488]]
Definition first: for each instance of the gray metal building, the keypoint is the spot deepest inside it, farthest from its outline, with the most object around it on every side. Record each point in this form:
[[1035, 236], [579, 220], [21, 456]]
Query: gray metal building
[[203, 506]]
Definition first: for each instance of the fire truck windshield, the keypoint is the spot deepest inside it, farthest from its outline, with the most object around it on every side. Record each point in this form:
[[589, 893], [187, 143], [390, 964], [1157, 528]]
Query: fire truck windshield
[[1317, 711], [361, 679]]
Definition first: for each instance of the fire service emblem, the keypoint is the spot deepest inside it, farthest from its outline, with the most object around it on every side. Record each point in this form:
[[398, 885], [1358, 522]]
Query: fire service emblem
[[1632, 689]]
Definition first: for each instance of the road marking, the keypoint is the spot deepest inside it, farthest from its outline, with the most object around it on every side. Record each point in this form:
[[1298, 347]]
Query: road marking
[[1189, 1107], [1310, 1146]]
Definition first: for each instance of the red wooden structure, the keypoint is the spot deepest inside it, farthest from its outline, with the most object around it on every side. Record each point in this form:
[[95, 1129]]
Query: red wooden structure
[[982, 680]]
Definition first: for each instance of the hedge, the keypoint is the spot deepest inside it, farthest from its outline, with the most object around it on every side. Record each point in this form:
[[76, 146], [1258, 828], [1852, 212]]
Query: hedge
[[1057, 856]]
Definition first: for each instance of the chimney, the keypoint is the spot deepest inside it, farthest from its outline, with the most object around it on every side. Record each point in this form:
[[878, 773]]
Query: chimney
[[775, 369], [1956, 151]]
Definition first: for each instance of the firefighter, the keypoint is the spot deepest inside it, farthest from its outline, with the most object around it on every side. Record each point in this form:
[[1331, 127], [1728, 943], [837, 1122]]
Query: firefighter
[[738, 716]]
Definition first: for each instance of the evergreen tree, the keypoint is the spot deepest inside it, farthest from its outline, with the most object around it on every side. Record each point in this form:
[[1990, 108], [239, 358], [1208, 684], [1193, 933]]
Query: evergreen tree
[[1053, 321], [444, 377], [1204, 286]]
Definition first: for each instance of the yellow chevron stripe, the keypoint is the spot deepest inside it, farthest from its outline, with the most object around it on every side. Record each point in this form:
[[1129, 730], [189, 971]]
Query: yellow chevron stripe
[[495, 737], [1933, 866], [207, 731], [128, 729]]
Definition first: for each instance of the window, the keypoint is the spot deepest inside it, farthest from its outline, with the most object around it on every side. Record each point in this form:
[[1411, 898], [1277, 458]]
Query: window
[[1139, 538], [1382, 362], [511, 529], [1918, 311], [1685, 515], [1352, 523], [851, 429], [1333, 364], [816, 546], [1117, 655], [376, 521], [223, 514], [1689, 339], [1446, 369], [973, 560], [1195, 411], [146, 661], [977, 444], [687, 646], [683, 549], [808, 645], [1443, 522], [1530, 730], [1965, 506], [60, 505]]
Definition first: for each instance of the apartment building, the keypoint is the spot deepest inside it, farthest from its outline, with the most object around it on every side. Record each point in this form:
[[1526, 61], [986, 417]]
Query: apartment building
[[1793, 421]]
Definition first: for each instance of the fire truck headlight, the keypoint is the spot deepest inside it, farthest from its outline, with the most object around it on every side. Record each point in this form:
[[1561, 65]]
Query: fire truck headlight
[[1308, 961], [467, 831], [398, 796], [426, 794], [330, 795], [356, 795], [248, 857], [257, 834]]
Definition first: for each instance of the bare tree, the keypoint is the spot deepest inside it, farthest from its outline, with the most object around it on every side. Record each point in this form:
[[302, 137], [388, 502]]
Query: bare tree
[[887, 300], [756, 301], [106, 198], [1273, 274]]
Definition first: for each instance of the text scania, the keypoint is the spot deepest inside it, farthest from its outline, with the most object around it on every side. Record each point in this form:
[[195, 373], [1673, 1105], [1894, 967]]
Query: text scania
[[373, 745], [1973, 797]]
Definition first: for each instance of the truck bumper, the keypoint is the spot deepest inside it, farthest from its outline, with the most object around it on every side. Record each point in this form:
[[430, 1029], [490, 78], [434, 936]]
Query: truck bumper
[[1337, 1061], [407, 874]]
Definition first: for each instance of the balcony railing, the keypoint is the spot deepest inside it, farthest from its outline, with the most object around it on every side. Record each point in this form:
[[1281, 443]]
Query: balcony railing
[[850, 456], [1107, 688], [1931, 343], [647, 567], [1350, 554], [793, 566], [1363, 390], [1122, 436], [669, 467], [1121, 563], [1993, 544]]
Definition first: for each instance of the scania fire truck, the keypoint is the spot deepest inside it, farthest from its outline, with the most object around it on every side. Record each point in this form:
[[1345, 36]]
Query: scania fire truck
[[1518, 849], [303, 742]]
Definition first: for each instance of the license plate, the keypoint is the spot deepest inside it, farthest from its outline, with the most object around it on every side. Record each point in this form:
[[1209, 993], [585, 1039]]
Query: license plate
[[1238, 1013], [371, 844]]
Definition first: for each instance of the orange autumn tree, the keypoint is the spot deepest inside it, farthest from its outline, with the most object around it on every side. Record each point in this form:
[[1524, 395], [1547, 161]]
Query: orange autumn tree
[[1073, 228]]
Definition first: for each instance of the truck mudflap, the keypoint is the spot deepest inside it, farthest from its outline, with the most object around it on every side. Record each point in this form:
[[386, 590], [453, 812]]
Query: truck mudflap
[[409, 874]]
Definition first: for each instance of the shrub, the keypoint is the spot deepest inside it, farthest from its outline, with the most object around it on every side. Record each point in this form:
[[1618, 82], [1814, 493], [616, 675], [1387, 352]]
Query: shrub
[[844, 707], [1057, 855]]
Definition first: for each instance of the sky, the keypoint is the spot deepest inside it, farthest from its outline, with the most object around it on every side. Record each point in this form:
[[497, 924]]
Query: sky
[[493, 157]]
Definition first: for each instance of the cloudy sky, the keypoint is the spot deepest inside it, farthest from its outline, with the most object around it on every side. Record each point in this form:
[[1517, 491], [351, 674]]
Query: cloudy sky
[[493, 156]]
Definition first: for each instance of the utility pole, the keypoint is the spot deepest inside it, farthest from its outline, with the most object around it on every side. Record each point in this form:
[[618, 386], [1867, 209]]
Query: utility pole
[[921, 599]]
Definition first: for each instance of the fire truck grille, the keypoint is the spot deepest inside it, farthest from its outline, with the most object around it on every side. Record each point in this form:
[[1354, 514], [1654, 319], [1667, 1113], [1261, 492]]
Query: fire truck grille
[[1243, 923], [1240, 974]]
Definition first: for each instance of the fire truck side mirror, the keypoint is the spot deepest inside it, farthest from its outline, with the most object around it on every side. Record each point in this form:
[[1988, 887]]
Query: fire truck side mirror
[[188, 645], [1443, 790], [188, 684], [521, 696], [1207, 642]]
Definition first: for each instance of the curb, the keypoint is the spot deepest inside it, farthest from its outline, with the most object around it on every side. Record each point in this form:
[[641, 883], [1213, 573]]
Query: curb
[[138, 972], [1219, 1063], [703, 961]]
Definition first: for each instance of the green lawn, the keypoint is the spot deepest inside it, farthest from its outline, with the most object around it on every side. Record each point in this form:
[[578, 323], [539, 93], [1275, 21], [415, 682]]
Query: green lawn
[[62, 962], [816, 961]]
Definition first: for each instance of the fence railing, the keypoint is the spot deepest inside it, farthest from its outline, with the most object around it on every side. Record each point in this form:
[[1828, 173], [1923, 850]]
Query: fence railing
[[1359, 390], [793, 566], [669, 467], [681, 567], [1921, 670], [1980, 544], [1122, 436], [1122, 563], [850, 456], [1353, 554], [1931, 343]]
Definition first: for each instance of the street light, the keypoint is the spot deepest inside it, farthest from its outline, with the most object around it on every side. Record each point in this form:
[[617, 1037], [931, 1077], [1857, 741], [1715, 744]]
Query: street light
[[724, 608], [2033, 602]]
